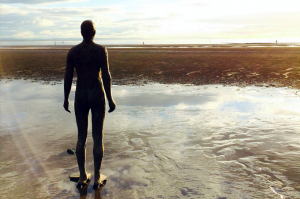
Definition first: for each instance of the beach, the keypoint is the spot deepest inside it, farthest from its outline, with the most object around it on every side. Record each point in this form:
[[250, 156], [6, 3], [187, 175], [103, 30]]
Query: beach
[[235, 64], [191, 122]]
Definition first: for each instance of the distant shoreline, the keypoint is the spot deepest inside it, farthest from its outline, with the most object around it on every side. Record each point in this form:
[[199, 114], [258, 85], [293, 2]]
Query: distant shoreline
[[232, 45]]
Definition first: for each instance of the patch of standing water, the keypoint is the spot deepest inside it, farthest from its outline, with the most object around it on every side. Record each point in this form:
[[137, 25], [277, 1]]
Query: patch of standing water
[[171, 141]]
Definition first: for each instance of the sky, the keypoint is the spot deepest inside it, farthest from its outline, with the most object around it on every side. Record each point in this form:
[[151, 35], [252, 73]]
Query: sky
[[163, 21]]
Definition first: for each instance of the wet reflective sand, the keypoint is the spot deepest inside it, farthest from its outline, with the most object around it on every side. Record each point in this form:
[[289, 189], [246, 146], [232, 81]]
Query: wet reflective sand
[[163, 141]]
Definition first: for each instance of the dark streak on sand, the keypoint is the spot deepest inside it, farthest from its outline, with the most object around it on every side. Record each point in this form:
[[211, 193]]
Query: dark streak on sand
[[198, 65]]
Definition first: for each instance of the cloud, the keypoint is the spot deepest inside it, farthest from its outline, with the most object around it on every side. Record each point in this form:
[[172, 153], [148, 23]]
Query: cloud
[[64, 22], [46, 32], [26, 34], [6, 22], [6, 10], [55, 34], [44, 22], [192, 19], [56, 12], [37, 1]]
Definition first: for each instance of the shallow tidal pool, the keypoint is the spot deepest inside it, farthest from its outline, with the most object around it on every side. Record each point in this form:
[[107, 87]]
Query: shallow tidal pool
[[162, 141]]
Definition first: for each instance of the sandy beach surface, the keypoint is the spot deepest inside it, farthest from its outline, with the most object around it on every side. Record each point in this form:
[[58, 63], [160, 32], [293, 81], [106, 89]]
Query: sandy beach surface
[[166, 139], [163, 141], [231, 64]]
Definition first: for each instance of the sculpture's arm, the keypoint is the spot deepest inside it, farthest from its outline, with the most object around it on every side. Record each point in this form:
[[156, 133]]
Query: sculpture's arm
[[106, 78], [68, 82]]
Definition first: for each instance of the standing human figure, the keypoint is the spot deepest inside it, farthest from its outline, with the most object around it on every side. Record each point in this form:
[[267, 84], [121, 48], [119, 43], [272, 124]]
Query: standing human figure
[[90, 60]]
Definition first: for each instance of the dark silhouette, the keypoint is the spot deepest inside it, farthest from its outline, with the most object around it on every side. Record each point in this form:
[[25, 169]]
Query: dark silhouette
[[84, 191], [90, 60]]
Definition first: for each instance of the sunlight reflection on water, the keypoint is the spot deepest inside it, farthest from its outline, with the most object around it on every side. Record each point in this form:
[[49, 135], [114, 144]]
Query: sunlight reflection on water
[[169, 140]]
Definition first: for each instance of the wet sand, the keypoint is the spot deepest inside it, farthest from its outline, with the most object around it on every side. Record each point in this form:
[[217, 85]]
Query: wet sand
[[231, 64], [163, 141], [220, 136]]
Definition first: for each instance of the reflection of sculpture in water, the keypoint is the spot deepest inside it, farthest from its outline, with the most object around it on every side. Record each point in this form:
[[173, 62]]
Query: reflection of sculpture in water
[[90, 60], [84, 191]]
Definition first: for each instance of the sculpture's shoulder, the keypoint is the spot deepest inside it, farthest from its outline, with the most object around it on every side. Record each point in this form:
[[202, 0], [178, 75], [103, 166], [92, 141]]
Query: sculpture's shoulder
[[99, 47], [74, 50], [91, 49]]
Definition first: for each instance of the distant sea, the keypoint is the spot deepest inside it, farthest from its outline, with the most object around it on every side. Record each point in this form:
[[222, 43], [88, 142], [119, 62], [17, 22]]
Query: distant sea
[[20, 42]]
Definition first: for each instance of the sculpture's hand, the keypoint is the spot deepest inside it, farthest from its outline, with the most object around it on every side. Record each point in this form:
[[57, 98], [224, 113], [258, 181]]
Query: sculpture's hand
[[112, 106], [66, 105]]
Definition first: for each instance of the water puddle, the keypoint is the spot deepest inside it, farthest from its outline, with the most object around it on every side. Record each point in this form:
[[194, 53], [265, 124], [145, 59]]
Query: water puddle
[[168, 141]]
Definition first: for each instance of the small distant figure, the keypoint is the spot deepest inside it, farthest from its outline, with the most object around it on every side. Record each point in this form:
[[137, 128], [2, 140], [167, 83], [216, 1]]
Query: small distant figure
[[143, 43], [276, 41], [90, 60]]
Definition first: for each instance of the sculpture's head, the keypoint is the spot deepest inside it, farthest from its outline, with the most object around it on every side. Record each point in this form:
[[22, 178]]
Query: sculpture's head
[[88, 30]]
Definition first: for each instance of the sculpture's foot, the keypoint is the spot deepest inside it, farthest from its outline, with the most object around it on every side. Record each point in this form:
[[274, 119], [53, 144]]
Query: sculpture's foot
[[83, 181], [97, 186], [100, 181]]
